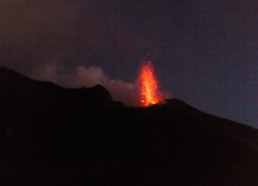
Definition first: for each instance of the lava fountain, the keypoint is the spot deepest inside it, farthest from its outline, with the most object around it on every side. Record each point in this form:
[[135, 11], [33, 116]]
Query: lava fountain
[[148, 85]]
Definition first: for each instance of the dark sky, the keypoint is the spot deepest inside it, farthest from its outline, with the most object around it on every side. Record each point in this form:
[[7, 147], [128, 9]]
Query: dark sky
[[205, 51]]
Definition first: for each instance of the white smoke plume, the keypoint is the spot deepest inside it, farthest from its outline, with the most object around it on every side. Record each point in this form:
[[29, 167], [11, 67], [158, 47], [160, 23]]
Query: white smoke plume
[[88, 77]]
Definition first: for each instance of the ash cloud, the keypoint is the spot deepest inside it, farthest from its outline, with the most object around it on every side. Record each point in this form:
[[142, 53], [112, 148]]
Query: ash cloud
[[83, 76]]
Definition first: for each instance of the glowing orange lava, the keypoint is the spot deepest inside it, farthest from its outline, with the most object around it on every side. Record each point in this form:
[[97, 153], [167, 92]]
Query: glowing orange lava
[[148, 85]]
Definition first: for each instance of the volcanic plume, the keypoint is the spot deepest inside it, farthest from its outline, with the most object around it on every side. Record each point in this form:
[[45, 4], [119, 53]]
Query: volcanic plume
[[143, 92], [148, 85]]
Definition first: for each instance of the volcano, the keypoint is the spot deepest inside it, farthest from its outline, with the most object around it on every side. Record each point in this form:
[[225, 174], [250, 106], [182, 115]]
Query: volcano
[[52, 135]]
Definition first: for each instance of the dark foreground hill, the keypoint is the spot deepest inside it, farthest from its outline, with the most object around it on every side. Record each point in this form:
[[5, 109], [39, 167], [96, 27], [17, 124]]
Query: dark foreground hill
[[51, 136]]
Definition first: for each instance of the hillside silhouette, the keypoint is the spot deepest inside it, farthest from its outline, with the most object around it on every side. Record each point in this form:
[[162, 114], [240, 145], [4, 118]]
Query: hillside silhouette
[[50, 135]]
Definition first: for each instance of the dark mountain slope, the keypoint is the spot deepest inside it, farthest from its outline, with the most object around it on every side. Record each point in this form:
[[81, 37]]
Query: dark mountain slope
[[50, 135]]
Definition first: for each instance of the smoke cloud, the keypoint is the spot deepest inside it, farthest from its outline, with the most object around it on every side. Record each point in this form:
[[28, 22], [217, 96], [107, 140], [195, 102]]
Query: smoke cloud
[[83, 76]]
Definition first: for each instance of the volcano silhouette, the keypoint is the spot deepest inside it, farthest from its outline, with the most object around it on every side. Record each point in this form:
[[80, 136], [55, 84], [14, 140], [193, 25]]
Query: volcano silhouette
[[50, 135]]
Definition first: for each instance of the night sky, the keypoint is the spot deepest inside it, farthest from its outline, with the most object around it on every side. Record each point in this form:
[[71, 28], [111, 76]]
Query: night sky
[[205, 52]]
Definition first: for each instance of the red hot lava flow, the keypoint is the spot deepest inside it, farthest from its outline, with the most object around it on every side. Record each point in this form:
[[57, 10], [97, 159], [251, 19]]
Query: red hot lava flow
[[148, 85]]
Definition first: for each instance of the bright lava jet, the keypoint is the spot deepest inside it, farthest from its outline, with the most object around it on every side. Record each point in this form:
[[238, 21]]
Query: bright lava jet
[[148, 85]]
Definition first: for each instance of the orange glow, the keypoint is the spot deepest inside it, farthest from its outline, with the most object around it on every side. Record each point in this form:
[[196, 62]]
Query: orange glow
[[148, 85]]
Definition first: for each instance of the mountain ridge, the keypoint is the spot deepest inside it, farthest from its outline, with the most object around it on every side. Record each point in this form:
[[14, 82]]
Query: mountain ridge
[[52, 135]]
